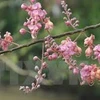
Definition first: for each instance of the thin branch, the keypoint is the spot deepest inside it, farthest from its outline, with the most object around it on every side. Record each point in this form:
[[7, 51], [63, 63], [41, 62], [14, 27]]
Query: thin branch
[[57, 36], [20, 71], [17, 69]]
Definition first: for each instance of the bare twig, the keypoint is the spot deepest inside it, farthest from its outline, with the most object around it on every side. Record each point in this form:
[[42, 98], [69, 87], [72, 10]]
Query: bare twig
[[57, 36], [20, 71], [17, 69]]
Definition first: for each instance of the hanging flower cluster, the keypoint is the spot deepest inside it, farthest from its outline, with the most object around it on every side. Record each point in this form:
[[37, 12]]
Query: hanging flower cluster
[[66, 50], [37, 19], [89, 73], [6, 41], [38, 78]]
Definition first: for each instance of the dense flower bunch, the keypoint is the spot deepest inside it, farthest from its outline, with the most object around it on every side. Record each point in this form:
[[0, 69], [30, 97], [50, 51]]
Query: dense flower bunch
[[6, 41], [92, 49], [66, 50], [88, 42], [37, 19], [89, 73], [51, 48]]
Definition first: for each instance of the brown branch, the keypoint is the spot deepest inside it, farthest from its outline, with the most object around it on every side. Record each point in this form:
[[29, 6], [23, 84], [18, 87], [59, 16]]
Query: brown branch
[[57, 36]]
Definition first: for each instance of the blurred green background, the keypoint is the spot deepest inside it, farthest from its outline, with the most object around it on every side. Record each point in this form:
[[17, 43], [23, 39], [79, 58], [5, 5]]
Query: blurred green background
[[12, 19]]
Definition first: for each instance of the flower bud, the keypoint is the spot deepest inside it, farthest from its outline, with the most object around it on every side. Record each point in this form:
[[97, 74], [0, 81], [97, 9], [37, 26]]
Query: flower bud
[[68, 23], [54, 56], [78, 50], [88, 52], [22, 31], [43, 75], [35, 58], [76, 70], [89, 40], [44, 64], [38, 85], [36, 68], [23, 6], [48, 24]]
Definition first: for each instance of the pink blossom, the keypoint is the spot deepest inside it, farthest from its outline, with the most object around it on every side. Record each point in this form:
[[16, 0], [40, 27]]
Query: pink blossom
[[24, 6], [6, 41], [68, 48], [96, 50], [97, 75], [4, 45], [36, 6], [88, 51], [68, 23], [86, 73], [76, 70], [37, 17], [89, 40], [8, 37], [48, 24]]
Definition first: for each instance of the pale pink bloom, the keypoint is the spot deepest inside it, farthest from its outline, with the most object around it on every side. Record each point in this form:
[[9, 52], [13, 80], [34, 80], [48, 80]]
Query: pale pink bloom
[[86, 73], [75, 70], [37, 17], [97, 75], [8, 37], [6, 41], [24, 6], [96, 50], [78, 50], [44, 64], [54, 56], [4, 45], [68, 48], [89, 40], [48, 24], [88, 51], [36, 6], [68, 23]]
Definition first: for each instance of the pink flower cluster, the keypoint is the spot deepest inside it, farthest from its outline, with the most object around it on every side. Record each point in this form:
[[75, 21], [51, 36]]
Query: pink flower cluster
[[96, 50], [91, 49], [73, 22], [38, 78], [37, 17], [89, 73], [89, 42], [51, 48], [6, 41], [66, 50]]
